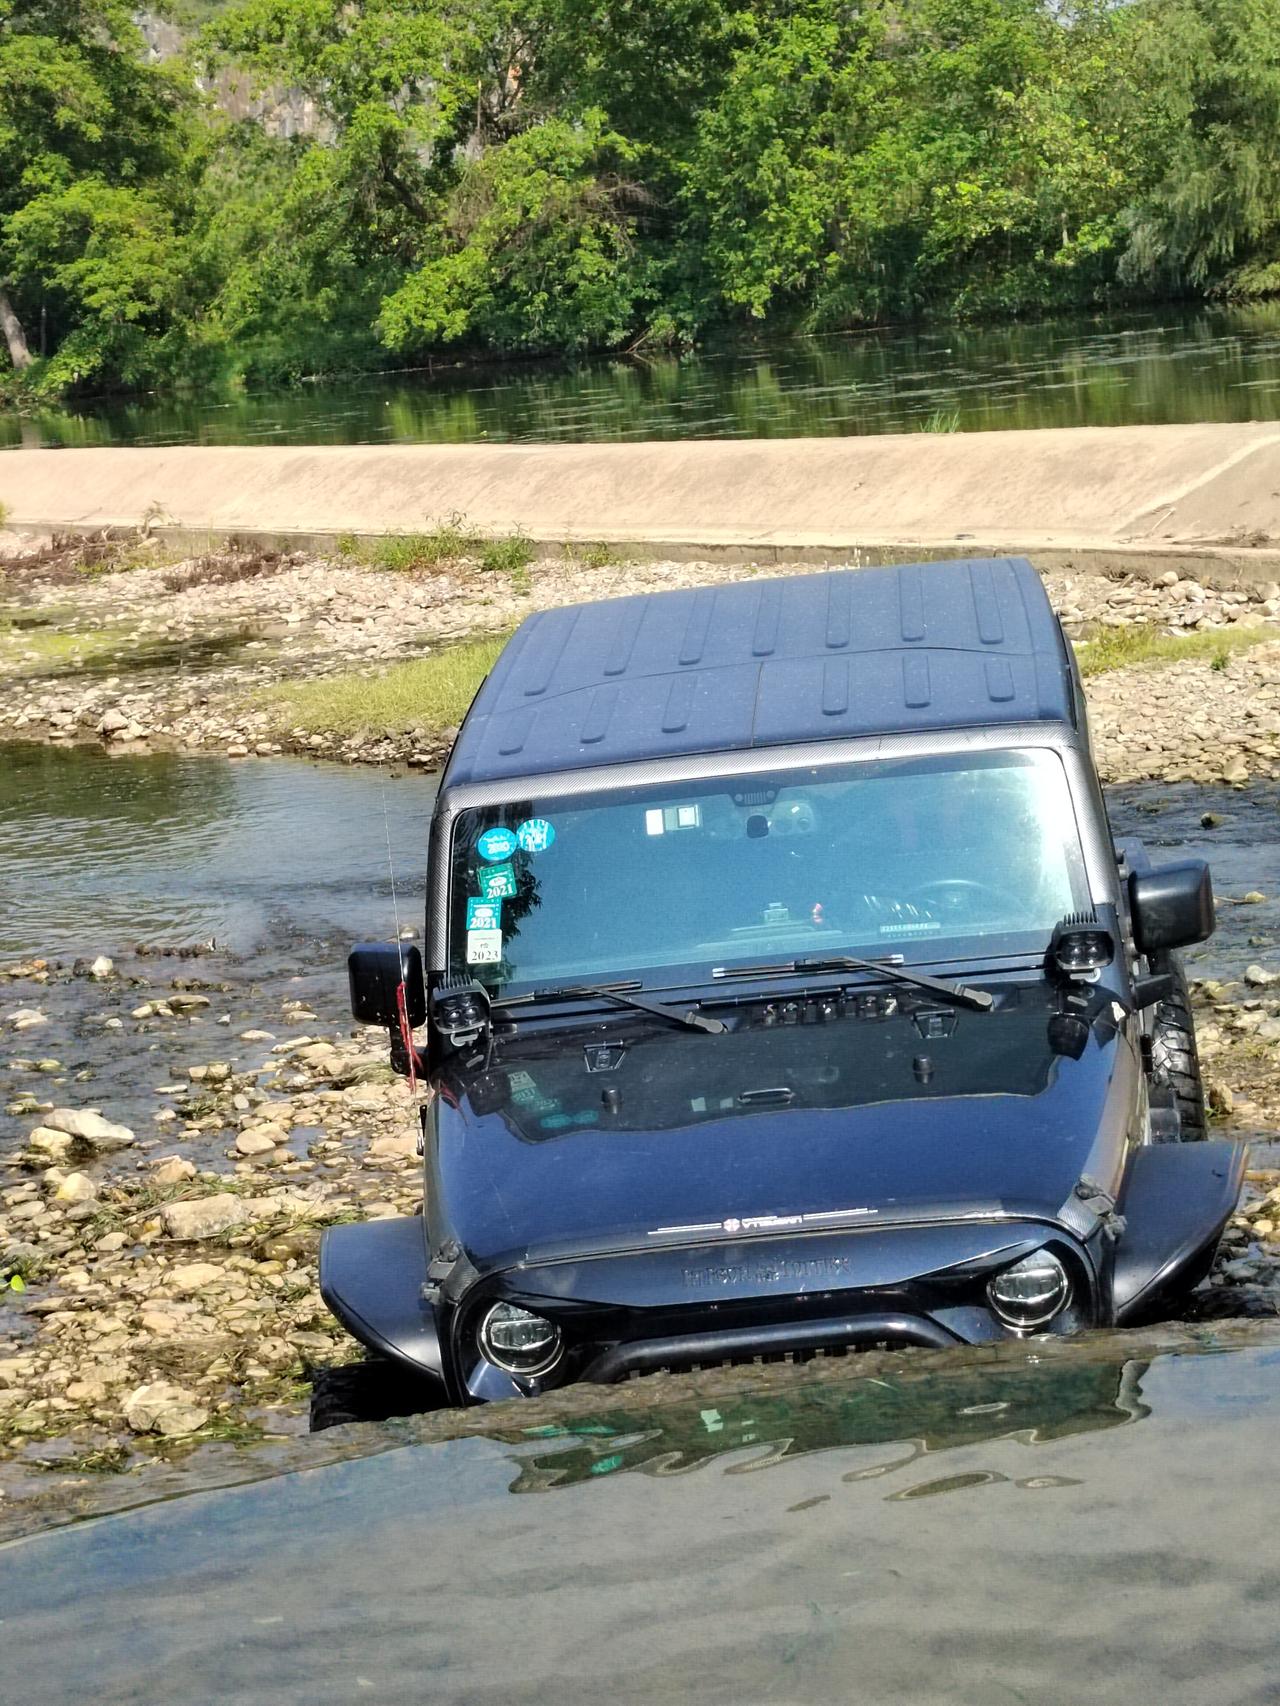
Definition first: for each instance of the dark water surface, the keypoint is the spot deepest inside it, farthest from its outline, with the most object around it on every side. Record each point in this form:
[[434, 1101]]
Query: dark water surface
[[1177, 364], [1084, 1523]]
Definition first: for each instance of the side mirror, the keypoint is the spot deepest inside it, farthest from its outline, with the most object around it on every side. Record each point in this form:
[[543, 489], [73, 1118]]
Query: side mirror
[[375, 971], [1171, 906]]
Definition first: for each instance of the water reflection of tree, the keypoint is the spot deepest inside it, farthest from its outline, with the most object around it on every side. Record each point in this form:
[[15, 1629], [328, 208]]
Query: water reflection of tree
[[916, 1414]]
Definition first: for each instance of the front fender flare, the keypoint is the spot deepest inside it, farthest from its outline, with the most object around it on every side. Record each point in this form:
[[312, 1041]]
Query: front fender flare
[[1177, 1200], [371, 1276]]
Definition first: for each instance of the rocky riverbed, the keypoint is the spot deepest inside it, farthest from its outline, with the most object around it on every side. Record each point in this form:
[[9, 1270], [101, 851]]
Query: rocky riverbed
[[112, 641], [182, 1131]]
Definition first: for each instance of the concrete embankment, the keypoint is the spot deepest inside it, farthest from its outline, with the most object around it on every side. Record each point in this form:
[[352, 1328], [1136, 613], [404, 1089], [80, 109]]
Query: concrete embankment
[[1106, 499]]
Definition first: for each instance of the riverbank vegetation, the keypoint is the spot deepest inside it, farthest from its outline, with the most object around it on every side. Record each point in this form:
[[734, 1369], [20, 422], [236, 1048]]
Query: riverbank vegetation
[[314, 186], [429, 693]]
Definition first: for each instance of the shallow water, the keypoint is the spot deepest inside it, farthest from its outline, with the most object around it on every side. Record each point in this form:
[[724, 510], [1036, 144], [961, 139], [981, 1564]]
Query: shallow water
[[1059, 1525], [276, 866], [1174, 364]]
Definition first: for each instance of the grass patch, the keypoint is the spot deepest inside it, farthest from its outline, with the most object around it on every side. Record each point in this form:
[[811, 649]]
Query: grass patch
[[510, 556], [1124, 648], [940, 420], [405, 553], [56, 651], [426, 694]]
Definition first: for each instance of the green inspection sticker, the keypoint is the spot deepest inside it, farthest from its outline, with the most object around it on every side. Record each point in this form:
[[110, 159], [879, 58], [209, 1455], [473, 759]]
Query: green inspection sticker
[[484, 915], [497, 883]]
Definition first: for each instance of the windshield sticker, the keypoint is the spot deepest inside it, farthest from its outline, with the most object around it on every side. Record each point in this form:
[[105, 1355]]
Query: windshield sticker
[[496, 844], [484, 914], [484, 947], [535, 835], [919, 926], [664, 820], [499, 883]]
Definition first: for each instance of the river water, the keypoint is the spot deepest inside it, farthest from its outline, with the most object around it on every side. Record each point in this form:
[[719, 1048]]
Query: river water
[[1177, 364], [1079, 1522]]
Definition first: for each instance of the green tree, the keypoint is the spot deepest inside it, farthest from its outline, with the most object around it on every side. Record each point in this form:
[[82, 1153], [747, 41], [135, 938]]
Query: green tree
[[1211, 219], [92, 192]]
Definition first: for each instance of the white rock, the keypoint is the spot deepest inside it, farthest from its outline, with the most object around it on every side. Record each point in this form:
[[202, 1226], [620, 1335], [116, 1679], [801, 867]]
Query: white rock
[[159, 1407], [89, 1127], [102, 967], [76, 1187], [1259, 977], [189, 1277], [205, 1217], [113, 722], [55, 1144], [173, 1170], [256, 1142]]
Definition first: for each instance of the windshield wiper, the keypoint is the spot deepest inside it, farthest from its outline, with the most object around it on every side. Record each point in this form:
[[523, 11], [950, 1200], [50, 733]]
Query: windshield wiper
[[620, 994], [892, 969]]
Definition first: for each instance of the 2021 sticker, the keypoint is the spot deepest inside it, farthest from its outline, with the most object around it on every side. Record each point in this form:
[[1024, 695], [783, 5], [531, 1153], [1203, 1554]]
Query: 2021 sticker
[[535, 835], [496, 844], [484, 914], [497, 883]]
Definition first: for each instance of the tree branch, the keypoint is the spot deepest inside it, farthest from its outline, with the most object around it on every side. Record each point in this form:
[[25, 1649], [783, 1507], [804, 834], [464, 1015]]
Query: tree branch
[[14, 335]]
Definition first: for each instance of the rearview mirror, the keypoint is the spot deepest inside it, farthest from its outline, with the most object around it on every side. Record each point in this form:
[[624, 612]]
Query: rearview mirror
[[1171, 906], [375, 971]]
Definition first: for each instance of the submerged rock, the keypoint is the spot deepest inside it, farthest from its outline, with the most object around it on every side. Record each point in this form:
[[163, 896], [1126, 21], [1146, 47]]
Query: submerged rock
[[161, 1408]]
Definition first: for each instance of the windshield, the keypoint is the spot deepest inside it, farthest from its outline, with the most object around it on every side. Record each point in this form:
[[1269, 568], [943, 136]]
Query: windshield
[[931, 858]]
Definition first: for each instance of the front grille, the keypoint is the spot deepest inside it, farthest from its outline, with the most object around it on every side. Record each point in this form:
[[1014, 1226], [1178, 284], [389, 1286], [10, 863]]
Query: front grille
[[757, 1346]]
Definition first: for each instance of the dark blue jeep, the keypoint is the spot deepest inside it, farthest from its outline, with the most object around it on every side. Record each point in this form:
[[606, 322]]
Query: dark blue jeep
[[785, 994]]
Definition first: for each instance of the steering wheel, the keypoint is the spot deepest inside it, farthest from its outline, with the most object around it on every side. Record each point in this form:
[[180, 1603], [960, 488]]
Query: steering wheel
[[950, 894]]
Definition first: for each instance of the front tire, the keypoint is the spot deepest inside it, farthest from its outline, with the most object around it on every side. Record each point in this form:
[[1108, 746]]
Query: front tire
[[1175, 1062], [376, 1390]]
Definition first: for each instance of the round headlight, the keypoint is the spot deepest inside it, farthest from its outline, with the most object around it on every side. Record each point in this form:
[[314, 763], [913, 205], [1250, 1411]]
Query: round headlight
[[1031, 1292], [519, 1342]]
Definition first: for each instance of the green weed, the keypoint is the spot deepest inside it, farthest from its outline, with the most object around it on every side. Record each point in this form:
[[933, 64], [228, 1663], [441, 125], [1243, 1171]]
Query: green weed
[[511, 555], [1124, 648], [450, 541], [427, 694], [940, 420]]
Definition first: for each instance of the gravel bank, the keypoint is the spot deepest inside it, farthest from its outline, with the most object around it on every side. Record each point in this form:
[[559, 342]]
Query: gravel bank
[[174, 655]]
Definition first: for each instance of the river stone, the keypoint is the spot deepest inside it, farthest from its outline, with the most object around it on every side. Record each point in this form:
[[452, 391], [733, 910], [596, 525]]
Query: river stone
[[393, 1148], [173, 1170], [44, 1141], [90, 1128], [76, 1188], [161, 1408], [256, 1142], [112, 722], [1258, 976], [190, 1277], [206, 1216]]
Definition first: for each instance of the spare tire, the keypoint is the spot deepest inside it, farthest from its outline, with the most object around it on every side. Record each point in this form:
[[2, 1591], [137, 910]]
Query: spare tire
[[1175, 1063]]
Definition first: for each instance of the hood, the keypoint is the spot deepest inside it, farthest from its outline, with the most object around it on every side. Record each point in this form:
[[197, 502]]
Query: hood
[[627, 1136]]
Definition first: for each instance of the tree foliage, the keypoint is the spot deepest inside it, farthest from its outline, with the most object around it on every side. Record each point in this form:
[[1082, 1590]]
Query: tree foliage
[[407, 176]]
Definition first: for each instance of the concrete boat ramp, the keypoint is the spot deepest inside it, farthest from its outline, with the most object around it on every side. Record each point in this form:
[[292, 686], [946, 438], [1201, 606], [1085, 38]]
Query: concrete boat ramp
[[1204, 498]]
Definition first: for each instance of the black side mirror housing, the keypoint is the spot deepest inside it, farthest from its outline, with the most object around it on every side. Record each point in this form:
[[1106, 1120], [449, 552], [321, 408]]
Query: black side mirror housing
[[375, 971], [1171, 906]]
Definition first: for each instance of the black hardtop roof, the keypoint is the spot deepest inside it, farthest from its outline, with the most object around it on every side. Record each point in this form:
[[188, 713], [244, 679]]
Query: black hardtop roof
[[769, 662]]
